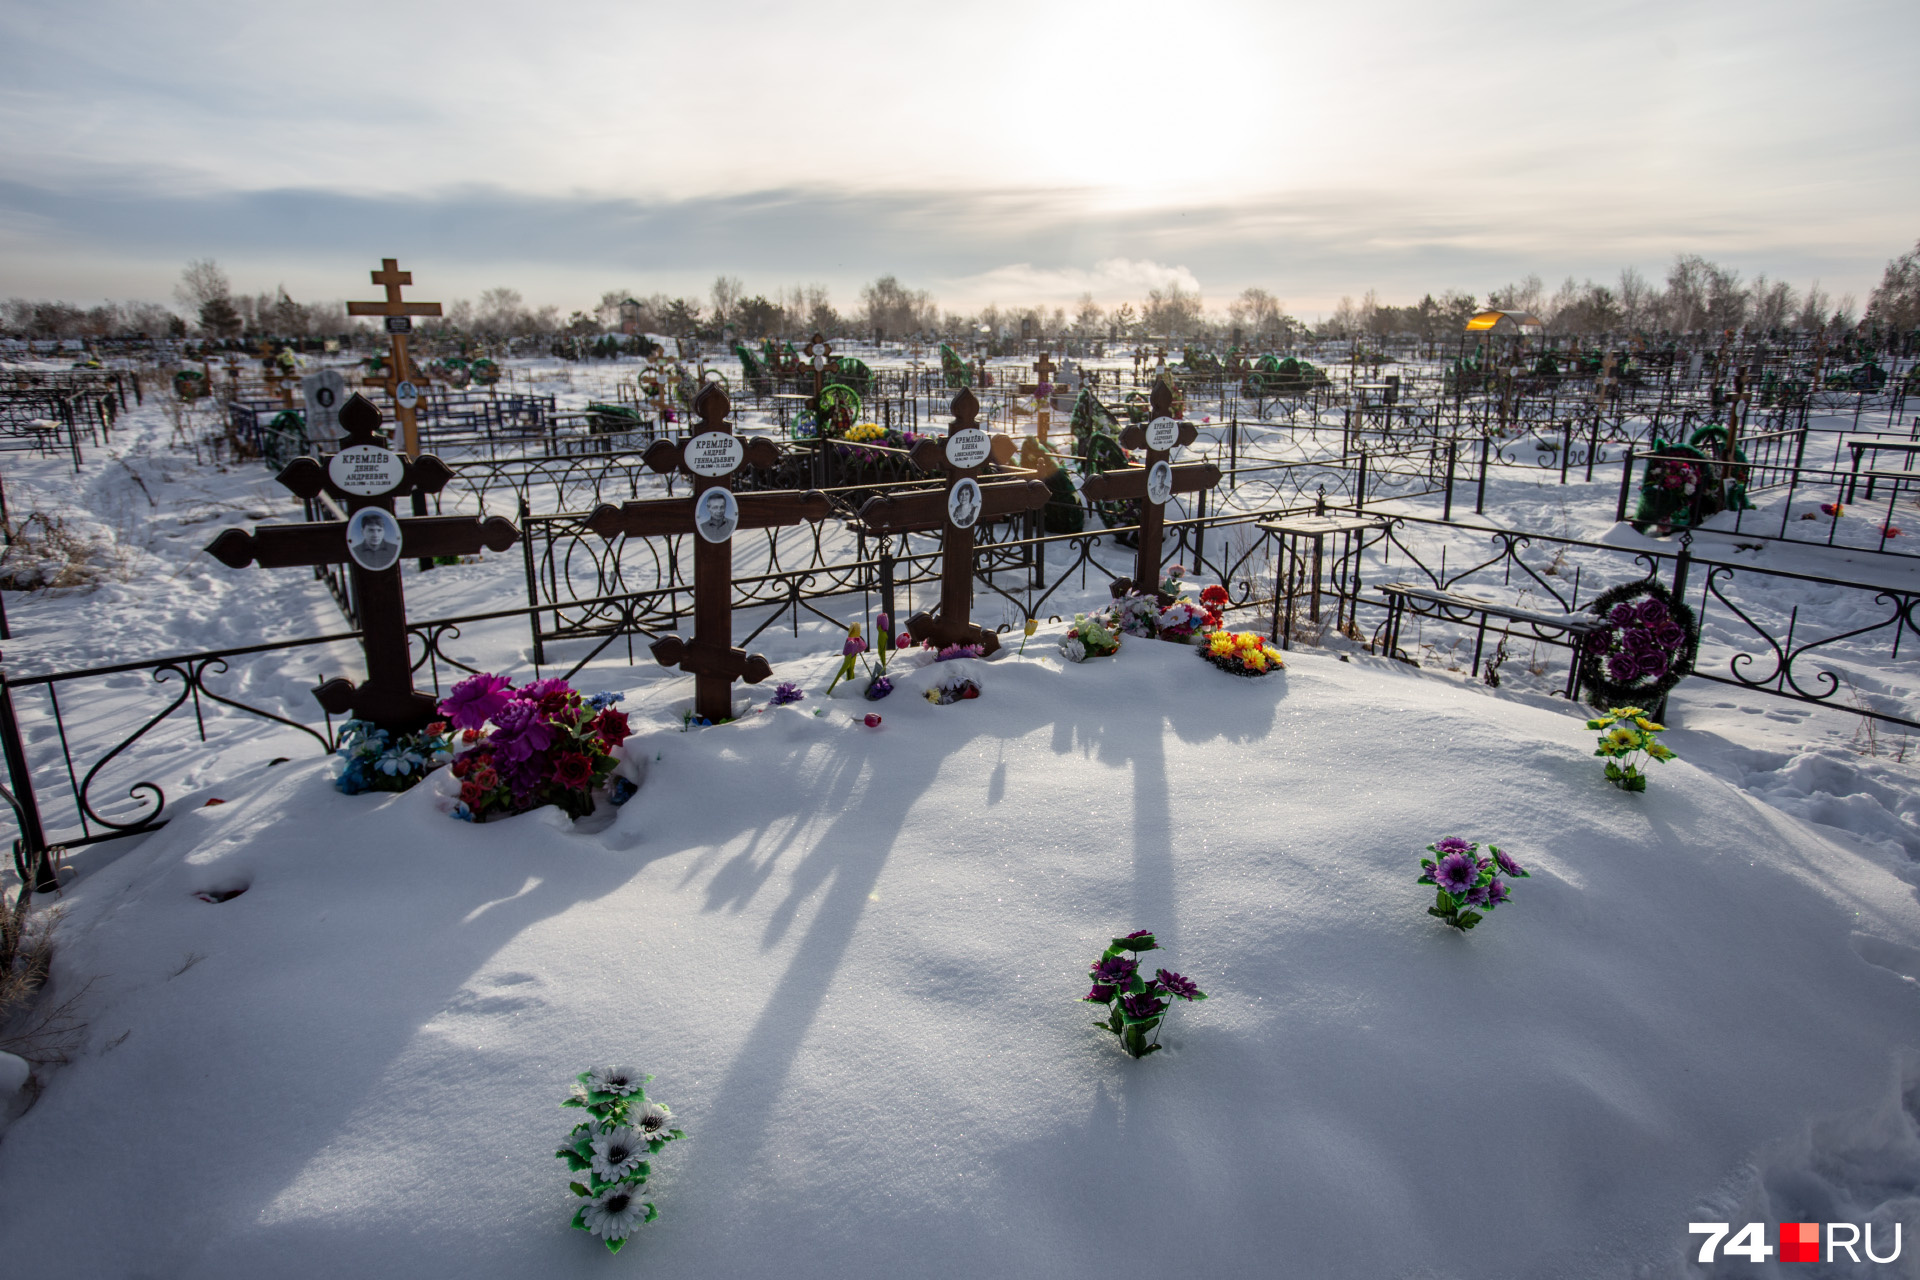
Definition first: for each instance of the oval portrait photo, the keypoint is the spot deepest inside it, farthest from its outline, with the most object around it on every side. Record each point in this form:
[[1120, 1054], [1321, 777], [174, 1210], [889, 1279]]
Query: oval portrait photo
[[963, 502], [716, 513], [373, 539], [1160, 483]]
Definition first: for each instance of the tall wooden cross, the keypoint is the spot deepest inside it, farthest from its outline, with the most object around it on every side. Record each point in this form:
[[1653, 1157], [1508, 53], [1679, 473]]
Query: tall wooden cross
[[710, 458], [955, 508], [1041, 388], [368, 476], [403, 380], [819, 351], [1153, 482]]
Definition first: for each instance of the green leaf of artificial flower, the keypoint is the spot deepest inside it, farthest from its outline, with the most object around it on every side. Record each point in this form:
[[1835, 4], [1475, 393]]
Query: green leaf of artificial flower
[[1135, 944], [615, 1246], [676, 1133], [652, 1212], [578, 1190], [580, 1218]]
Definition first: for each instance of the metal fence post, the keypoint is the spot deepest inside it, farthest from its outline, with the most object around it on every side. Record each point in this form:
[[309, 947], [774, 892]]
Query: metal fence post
[[1480, 497], [1453, 450], [33, 836], [1626, 483]]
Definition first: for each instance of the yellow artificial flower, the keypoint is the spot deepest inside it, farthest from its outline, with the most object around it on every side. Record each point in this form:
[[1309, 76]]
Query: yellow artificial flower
[[1623, 738], [1221, 643], [1628, 713], [1659, 752], [1033, 625], [1648, 726], [1246, 640]]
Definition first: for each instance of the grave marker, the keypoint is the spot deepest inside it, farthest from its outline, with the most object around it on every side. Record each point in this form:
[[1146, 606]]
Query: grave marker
[[711, 458], [957, 508], [403, 380], [368, 476], [1153, 483], [325, 392]]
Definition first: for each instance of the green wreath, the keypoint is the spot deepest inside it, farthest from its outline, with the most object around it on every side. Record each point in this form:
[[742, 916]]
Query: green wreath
[[1647, 646]]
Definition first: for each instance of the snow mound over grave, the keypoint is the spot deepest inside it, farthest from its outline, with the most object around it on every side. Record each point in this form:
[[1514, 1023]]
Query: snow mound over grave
[[852, 957]]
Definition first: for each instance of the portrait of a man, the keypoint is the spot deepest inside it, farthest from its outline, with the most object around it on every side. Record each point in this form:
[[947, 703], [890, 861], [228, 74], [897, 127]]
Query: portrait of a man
[[963, 503], [1160, 483], [716, 514], [373, 539]]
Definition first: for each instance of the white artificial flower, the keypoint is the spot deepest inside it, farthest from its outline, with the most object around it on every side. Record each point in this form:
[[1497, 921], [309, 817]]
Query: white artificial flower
[[619, 1081], [653, 1120], [1073, 649], [615, 1212], [617, 1152]]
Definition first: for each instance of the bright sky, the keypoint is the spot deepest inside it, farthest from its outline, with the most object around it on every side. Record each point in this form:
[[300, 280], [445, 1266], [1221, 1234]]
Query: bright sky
[[985, 151]]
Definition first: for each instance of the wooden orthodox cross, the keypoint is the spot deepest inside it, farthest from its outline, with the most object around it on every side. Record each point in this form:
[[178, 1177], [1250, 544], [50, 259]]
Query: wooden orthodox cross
[[368, 476], [819, 351], [1041, 388], [710, 458], [956, 508], [1153, 482], [402, 380]]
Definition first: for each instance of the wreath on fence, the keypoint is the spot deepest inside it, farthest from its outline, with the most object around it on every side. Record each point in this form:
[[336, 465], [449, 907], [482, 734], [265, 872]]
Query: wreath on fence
[[1648, 644]]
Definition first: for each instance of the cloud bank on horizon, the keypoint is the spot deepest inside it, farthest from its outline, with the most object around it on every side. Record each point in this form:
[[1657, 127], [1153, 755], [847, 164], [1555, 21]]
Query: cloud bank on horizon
[[986, 151]]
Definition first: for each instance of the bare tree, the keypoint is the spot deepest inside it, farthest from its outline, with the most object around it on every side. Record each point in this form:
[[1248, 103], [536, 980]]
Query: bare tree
[[725, 294], [890, 309], [1895, 301]]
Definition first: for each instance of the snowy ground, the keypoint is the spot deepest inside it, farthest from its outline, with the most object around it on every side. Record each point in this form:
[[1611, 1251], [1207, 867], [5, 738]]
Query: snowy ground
[[851, 956]]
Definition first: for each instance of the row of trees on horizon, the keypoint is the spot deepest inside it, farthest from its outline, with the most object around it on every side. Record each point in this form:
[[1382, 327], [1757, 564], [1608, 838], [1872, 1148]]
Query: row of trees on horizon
[[1697, 294]]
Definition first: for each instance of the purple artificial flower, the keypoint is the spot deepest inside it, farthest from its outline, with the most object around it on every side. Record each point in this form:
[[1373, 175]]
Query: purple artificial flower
[[1496, 893], [854, 646], [786, 693], [1456, 873], [881, 622], [540, 689], [1623, 668], [520, 731], [1100, 994], [1452, 844], [1143, 1005], [475, 700], [1113, 971], [1477, 896], [1139, 933], [1652, 612], [1623, 614], [953, 651], [1176, 985], [878, 688], [1670, 635], [1507, 864]]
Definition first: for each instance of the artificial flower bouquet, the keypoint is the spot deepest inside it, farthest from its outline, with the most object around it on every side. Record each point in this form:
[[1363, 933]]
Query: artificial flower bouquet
[[1465, 885], [1091, 636], [611, 1147], [1629, 739], [952, 687], [1244, 653], [370, 758], [1137, 614], [1135, 1005], [1191, 621], [547, 745]]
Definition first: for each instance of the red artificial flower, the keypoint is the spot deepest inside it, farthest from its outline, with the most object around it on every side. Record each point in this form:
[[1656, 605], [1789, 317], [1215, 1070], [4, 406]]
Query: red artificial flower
[[437, 728], [471, 794], [1215, 595], [612, 727], [484, 778], [470, 735], [573, 769], [461, 766]]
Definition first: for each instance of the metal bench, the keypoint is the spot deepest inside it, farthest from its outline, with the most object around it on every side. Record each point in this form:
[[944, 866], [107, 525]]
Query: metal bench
[[1451, 606]]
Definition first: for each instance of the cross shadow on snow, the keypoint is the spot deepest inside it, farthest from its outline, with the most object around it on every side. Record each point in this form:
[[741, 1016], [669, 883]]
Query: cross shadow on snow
[[1115, 711]]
